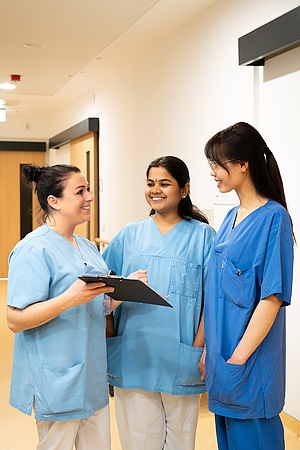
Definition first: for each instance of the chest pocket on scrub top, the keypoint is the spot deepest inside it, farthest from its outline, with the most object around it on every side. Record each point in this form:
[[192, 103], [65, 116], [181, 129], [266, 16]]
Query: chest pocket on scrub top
[[238, 285], [185, 278]]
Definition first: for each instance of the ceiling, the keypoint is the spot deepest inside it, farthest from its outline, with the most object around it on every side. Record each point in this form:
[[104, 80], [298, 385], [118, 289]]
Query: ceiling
[[62, 49]]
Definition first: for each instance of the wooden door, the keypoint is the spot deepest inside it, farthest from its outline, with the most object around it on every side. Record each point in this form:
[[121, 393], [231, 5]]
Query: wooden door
[[11, 207], [84, 154]]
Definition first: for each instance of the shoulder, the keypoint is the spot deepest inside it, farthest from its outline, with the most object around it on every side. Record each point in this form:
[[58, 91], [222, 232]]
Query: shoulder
[[200, 227], [278, 214], [32, 244], [133, 227], [37, 233], [34, 237]]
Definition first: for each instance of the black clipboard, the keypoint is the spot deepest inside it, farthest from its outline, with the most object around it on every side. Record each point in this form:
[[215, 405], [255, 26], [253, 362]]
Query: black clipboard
[[128, 289]]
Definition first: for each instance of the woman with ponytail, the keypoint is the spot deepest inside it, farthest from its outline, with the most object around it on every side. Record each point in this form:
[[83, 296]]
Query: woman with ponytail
[[249, 285], [153, 358], [59, 364]]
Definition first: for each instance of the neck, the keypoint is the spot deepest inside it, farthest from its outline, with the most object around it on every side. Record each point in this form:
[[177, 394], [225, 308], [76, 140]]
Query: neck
[[249, 203], [64, 230], [249, 197], [166, 222]]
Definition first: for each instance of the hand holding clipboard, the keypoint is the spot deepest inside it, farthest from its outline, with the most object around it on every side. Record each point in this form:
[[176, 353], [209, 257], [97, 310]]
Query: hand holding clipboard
[[128, 289]]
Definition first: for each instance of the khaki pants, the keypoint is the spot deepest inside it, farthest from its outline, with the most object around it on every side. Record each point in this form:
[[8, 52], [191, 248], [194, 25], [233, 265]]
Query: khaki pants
[[156, 421], [86, 434]]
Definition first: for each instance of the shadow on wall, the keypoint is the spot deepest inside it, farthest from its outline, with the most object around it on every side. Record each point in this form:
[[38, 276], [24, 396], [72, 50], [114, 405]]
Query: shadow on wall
[[286, 64]]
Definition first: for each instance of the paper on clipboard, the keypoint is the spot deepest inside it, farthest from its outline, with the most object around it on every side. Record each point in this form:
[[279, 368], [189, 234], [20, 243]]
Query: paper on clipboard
[[128, 289]]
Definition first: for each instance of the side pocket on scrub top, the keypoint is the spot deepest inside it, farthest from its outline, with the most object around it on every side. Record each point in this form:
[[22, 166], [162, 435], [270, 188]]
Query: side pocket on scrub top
[[63, 389]]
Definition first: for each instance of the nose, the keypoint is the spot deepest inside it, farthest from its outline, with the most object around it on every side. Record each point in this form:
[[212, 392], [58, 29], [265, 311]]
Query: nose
[[156, 187], [89, 197]]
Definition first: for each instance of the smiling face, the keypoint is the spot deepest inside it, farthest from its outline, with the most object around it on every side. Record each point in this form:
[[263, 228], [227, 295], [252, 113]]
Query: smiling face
[[162, 192], [73, 207], [231, 179]]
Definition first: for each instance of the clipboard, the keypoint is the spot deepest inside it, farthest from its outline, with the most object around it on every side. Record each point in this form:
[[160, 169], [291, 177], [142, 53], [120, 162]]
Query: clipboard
[[128, 289]]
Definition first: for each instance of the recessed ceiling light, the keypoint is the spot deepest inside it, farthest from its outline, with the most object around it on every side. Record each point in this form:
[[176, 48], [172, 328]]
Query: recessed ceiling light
[[31, 45], [7, 86]]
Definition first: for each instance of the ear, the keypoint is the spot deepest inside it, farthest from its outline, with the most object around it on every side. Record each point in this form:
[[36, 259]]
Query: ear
[[53, 202], [185, 191], [244, 166]]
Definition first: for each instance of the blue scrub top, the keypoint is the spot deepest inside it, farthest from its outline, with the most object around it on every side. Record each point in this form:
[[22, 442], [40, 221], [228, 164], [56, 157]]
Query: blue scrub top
[[248, 263], [152, 349], [61, 365]]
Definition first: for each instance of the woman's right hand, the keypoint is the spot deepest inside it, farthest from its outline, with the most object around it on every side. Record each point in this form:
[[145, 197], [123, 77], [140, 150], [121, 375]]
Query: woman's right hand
[[80, 292]]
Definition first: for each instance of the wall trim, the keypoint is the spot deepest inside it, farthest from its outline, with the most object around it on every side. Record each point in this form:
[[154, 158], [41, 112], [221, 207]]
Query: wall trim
[[270, 40], [23, 146], [84, 127]]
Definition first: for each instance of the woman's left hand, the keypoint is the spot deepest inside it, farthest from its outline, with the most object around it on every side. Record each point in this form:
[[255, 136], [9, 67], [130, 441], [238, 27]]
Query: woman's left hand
[[141, 275]]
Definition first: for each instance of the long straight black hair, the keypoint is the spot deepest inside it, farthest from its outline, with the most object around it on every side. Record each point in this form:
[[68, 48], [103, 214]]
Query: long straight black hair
[[242, 142]]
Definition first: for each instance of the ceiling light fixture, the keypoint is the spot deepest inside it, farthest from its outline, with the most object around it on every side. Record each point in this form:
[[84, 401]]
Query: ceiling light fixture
[[9, 86]]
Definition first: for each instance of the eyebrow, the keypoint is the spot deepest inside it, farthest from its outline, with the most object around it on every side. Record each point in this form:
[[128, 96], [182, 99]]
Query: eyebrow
[[163, 179], [82, 186]]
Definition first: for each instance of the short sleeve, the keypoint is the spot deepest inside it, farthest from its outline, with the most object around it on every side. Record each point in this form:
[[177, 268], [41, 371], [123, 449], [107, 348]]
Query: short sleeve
[[28, 277], [278, 267]]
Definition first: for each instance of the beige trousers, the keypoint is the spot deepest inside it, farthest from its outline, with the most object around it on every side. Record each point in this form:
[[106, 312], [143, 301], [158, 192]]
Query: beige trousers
[[86, 434], [156, 421]]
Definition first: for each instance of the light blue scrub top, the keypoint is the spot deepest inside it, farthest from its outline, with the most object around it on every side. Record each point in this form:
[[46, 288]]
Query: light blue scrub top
[[61, 365], [153, 347], [248, 263]]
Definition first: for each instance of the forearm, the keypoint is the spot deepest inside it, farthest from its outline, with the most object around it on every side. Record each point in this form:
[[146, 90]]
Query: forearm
[[257, 329], [36, 314], [199, 338], [42, 312]]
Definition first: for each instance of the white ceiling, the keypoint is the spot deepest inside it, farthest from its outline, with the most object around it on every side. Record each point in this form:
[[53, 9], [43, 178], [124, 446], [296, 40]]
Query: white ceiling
[[84, 42]]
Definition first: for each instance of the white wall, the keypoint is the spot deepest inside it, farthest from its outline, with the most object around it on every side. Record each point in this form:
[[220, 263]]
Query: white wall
[[171, 100], [279, 120], [16, 129]]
